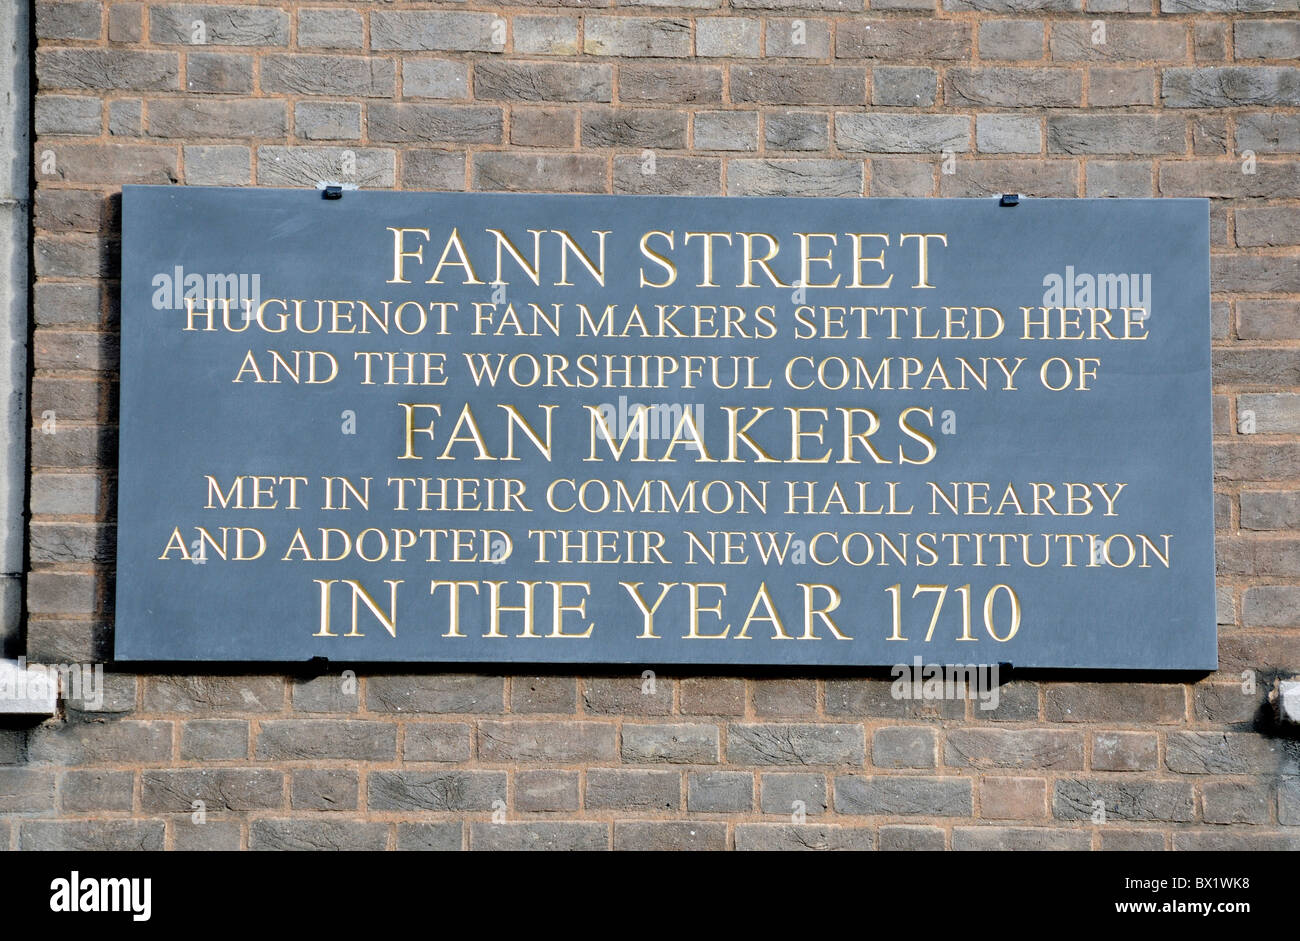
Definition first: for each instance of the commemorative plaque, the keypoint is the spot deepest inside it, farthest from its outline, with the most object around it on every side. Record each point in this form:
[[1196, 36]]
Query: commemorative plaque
[[664, 430]]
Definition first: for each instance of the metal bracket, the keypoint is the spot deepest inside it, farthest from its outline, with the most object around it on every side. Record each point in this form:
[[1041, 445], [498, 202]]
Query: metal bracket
[[332, 190]]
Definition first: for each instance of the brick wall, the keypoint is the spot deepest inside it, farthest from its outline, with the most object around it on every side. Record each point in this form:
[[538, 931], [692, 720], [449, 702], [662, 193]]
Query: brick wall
[[779, 97]]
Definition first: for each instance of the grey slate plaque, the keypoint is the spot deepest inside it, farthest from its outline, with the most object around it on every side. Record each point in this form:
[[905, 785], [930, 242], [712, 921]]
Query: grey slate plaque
[[798, 473]]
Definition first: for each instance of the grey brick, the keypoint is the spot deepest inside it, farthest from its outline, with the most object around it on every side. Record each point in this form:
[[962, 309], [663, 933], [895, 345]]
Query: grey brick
[[903, 796], [214, 739], [539, 836], [316, 833], [449, 31], [209, 694], [433, 169], [1234, 841], [197, 117], [1011, 40], [1132, 178], [1267, 226], [449, 693], [67, 19], [651, 37], [70, 542], [100, 742], [1288, 801], [816, 39], [435, 78], [307, 165], [293, 739], [546, 173], [894, 39], [903, 747], [1124, 751], [798, 84], [729, 36], [1266, 39], [324, 789], [1113, 88], [219, 73], [781, 791], [1230, 87], [91, 835], [58, 494], [1264, 320], [68, 114], [209, 836], [719, 791], [1129, 841], [1217, 178], [857, 697], [546, 741], [329, 29], [681, 176], [1236, 802], [1115, 702], [1144, 42], [1013, 748], [896, 177], [543, 81], [668, 836], [126, 117], [126, 22], [220, 789], [906, 86], [661, 83], [434, 790], [224, 25], [634, 127], [1136, 799], [1002, 87], [1116, 134], [902, 133], [1272, 606], [25, 790], [676, 744], [1007, 134], [1275, 413], [795, 744], [1227, 753], [434, 837], [632, 789], [404, 123], [794, 178], [328, 75], [907, 838], [546, 790], [102, 69], [325, 694], [542, 694], [70, 641], [546, 35], [116, 164], [629, 695], [1268, 133], [726, 130], [983, 839], [218, 165], [796, 130], [436, 741], [784, 836], [1229, 6]]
